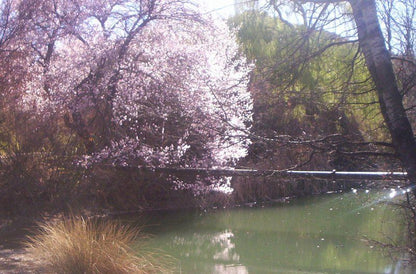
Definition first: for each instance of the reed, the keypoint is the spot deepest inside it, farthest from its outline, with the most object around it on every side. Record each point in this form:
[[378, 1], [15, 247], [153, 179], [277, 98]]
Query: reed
[[78, 245]]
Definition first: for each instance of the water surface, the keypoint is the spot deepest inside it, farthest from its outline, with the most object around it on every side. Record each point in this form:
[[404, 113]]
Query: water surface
[[322, 234]]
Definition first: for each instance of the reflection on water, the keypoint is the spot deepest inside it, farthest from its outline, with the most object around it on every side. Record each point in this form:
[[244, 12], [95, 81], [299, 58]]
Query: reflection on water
[[322, 234], [227, 248], [216, 247]]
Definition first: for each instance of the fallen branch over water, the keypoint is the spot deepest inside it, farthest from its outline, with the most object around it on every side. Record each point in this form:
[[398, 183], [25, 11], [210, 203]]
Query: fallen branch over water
[[332, 175]]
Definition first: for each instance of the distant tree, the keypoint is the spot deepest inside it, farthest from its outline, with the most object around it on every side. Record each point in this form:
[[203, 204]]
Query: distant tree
[[358, 18], [313, 101]]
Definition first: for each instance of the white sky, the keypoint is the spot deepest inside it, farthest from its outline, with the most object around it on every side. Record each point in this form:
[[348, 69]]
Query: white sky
[[224, 8]]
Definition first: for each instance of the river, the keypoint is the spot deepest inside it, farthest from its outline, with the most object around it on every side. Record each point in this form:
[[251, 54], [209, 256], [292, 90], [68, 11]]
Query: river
[[320, 234]]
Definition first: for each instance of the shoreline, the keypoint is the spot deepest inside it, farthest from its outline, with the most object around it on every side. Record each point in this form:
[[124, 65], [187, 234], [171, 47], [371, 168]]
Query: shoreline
[[16, 260]]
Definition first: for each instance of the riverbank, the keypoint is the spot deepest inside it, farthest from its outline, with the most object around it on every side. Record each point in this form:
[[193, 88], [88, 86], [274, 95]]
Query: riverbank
[[75, 244], [13, 256], [16, 260]]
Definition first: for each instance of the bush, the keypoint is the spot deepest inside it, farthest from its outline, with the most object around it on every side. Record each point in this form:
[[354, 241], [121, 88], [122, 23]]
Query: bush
[[77, 245]]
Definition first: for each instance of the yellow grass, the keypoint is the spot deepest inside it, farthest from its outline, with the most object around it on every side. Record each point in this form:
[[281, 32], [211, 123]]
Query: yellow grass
[[76, 245]]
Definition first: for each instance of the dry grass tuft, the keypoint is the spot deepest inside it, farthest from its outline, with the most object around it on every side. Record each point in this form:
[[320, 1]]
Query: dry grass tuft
[[76, 245]]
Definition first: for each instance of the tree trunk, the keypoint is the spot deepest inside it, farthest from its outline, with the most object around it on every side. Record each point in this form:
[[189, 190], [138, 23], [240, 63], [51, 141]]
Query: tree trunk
[[381, 69]]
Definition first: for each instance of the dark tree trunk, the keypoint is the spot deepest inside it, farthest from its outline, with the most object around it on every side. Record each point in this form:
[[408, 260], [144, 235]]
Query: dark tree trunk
[[379, 64]]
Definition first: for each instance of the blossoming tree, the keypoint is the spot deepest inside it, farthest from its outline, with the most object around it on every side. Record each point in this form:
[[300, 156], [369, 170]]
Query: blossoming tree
[[151, 83]]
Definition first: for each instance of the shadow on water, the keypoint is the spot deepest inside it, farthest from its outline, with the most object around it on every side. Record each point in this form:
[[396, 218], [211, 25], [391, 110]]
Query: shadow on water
[[322, 234]]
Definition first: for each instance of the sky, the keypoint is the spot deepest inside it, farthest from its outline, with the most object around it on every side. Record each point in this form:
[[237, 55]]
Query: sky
[[224, 8]]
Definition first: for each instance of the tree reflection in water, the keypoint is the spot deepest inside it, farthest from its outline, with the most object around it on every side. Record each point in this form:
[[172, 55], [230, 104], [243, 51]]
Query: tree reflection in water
[[316, 234]]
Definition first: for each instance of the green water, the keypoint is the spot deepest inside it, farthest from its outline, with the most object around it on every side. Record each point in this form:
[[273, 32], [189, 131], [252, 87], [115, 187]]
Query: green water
[[323, 234]]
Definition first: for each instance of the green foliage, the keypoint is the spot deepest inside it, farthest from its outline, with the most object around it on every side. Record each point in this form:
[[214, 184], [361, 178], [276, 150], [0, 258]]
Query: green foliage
[[306, 84], [300, 65]]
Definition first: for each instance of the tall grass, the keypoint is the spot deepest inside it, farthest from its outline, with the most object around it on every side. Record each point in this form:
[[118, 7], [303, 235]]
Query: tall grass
[[76, 245]]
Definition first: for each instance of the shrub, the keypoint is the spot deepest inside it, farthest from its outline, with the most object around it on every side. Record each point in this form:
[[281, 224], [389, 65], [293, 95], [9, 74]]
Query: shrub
[[78, 245]]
